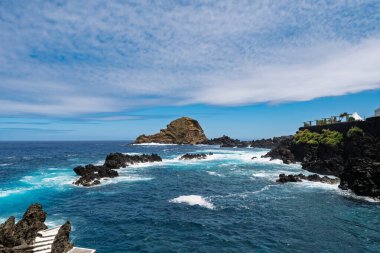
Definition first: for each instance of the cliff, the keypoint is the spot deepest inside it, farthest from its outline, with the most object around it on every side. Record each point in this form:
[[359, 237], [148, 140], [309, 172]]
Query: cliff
[[180, 131], [346, 151]]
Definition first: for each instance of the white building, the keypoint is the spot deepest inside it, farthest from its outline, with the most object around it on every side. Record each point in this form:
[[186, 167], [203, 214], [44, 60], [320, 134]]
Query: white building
[[377, 112]]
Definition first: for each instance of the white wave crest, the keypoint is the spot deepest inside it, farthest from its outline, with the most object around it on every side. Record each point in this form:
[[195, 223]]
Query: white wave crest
[[6, 193], [213, 173], [5, 164], [193, 200], [153, 144], [352, 195]]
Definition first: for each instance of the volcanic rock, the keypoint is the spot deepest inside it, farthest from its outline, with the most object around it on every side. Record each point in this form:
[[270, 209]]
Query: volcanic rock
[[269, 143], [19, 237], [25, 230], [188, 156], [356, 160], [90, 174], [184, 130], [314, 178], [62, 239], [118, 160], [227, 142], [362, 168]]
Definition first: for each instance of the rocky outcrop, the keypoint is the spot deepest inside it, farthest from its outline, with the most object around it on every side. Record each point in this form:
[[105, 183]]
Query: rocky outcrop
[[188, 156], [119, 160], [180, 131], [300, 177], [323, 159], [62, 239], [269, 143], [24, 231], [20, 236], [282, 153], [90, 174], [355, 159], [362, 167], [227, 142]]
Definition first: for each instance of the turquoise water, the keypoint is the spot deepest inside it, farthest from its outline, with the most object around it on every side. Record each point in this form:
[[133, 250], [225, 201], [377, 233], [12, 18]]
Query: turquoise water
[[227, 203]]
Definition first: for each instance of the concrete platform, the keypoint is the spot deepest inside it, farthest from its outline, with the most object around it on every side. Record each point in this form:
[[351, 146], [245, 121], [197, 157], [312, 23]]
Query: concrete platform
[[81, 250], [45, 239]]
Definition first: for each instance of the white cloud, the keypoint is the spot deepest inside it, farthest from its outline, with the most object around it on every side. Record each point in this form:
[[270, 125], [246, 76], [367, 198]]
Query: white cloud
[[84, 57], [338, 70]]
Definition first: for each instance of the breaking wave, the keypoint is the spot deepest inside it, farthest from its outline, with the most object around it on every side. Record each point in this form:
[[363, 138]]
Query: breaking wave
[[193, 200]]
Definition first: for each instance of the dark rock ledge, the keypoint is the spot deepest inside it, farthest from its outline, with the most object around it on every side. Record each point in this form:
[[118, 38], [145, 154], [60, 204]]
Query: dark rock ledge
[[300, 177], [90, 174], [353, 155], [188, 156]]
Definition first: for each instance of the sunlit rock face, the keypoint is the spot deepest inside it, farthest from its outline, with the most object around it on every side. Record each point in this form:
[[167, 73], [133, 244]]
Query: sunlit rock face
[[184, 130]]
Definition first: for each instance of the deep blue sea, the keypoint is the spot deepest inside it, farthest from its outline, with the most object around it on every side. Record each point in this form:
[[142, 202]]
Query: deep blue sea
[[226, 203]]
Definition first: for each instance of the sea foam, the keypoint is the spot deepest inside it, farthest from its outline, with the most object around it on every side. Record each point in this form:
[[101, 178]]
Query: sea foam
[[153, 144], [193, 200]]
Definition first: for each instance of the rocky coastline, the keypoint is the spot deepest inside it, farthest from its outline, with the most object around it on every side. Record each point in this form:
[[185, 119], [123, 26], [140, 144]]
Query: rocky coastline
[[227, 142], [90, 174], [352, 154], [301, 177], [20, 236]]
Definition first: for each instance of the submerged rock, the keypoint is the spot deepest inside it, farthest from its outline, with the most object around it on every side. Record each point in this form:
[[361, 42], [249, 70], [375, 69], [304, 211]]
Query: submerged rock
[[90, 174], [188, 156], [300, 177], [184, 130]]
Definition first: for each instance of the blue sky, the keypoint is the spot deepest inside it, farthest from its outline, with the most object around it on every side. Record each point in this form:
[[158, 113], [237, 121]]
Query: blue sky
[[86, 70]]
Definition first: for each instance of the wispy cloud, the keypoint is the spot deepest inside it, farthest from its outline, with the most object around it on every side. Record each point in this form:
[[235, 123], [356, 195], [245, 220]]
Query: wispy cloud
[[82, 57]]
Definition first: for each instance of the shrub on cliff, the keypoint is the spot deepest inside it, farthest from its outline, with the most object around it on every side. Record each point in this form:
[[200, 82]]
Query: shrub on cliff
[[327, 136], [330, 137], [306, 137], [355, 131]]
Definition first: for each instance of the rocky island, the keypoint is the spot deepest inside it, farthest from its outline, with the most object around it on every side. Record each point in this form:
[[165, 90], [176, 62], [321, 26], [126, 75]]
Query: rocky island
[[189, 156], [184, 130], [90, 174]]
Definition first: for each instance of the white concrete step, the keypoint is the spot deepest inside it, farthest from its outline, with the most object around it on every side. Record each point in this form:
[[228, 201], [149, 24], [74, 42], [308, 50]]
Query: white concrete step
[[44, 251], [42, 243], [40, 248], [49, 232], [43, 239]]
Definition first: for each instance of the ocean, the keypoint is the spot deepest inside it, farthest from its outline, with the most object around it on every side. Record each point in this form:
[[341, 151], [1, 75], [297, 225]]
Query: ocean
[[226, 203]]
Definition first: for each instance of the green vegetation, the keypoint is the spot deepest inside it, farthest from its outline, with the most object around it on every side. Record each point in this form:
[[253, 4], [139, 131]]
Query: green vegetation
[[306, 137], [327, 136], [331, 137], [355, 131]]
